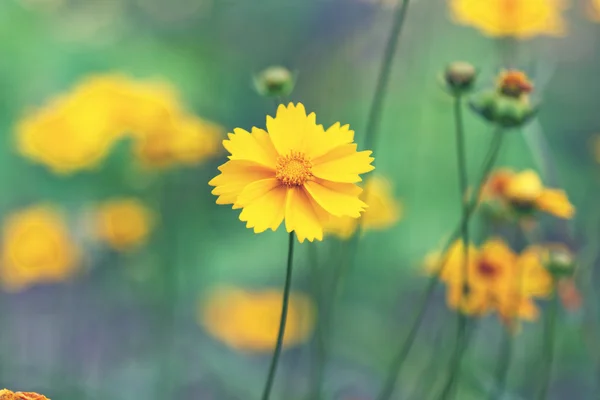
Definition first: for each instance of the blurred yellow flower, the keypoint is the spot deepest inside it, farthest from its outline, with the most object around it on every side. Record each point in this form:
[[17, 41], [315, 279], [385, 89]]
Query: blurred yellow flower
[[517, 18], [296, 172], [524, 192], [596, 147], [77, 130], [249, 320], [36, 247], [123, 223], [594, 9], [383, 210], [6, 394], [497, 279]]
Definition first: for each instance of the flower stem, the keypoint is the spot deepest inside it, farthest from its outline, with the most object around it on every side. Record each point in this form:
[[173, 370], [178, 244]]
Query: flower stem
[[398, 361], [374, 116], [548, 349], [463, 184], [503, 364], [282, 321]]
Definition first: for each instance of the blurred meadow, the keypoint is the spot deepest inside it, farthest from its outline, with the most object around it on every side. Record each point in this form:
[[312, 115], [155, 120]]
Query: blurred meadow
[[122, 279]]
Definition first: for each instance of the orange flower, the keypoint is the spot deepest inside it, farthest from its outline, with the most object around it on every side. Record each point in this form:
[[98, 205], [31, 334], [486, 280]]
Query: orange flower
[[6, 394], [514, 83]]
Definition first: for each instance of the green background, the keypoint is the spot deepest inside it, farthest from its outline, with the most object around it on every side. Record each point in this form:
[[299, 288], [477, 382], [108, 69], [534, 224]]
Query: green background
[[126, 329]]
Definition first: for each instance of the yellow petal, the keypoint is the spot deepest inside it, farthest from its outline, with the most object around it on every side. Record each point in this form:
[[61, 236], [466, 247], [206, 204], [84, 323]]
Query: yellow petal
[[235, 176], [343, 164], [342, 227], [384, 210], [292, 129], [301, 217], [335, 201], [535, 279], [555, 202], [333, 137], [256, 189], [266, 211], [254, 147], [525, 186]]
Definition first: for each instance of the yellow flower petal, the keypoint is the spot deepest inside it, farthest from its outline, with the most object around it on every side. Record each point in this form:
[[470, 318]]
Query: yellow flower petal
[[335, 199], [535, 279], [343, 164], [255, 190], [293, 130], [255, 147], [235, 176], [384, 210], [335, 136], [525, 186], [301, 217], [266, 211], [555, 202]]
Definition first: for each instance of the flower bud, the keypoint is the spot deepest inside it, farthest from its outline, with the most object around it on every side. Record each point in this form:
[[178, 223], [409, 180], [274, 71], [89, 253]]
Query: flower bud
[[514, 83], [559, 261], [274, 81], [460, 76], [505, 111]]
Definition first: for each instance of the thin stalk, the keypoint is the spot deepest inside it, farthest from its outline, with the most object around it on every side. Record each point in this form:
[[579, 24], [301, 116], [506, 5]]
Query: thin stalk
[[548, 349], [318, 360], [404, 349], [463, 184], [282, 321], [374, 116], [506, 349]]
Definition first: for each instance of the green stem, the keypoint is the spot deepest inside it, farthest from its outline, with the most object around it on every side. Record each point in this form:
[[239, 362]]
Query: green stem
[[318, 361], [463, 184], [282, 321], [503, 364], [548, 348], [374, 116], [398, 361]]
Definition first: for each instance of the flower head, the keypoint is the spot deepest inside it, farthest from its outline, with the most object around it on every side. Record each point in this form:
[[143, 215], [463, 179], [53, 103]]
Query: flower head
[[294, 171], [460, 77], [36, 247], [249, 320], [6, 394], [274, 81], [515, 18], [123, 223], [524, 193], [497, 279], [383, 210], [514, 83]]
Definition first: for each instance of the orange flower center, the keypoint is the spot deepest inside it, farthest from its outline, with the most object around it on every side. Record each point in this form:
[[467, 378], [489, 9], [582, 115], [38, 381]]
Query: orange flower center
[[514, 83], [293, 169], [487, 269]]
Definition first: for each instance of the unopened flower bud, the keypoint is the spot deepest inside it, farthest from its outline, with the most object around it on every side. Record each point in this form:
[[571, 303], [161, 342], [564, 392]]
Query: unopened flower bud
[[559, 261], [275, 81], [460, 76], [505, 111], [514, 83]]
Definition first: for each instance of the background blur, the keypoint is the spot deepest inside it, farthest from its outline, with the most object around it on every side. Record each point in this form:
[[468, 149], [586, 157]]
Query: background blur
[[131, 324]]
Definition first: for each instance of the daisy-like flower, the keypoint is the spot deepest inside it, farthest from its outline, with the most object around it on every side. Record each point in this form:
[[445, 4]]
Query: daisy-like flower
[[294, 171], [524, 193], [123, 224], [522, 19], [383, 210], [248, 320], [497, 280], [6, 394]]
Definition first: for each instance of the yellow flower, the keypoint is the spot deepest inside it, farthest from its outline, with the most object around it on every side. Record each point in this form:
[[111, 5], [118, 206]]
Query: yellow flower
[[124, 223], [498, 279], [249, 320], [596, 147], [77, 130], [6, 394], [383, 210], [518, 18], [36, 247], [296, 172], [525, 192]]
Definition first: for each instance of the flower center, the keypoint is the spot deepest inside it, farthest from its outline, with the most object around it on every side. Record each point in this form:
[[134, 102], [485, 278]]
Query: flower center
[[293, 169], [487, 269]]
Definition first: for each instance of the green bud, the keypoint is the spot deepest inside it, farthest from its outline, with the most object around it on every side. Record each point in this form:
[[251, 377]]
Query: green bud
[[275, 81], [559, 261], [459, 77], [505, 111]]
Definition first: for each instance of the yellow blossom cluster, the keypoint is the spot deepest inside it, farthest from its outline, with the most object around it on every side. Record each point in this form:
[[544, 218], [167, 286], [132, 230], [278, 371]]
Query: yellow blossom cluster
[[497, 279], [78, 129], [249, 320]]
